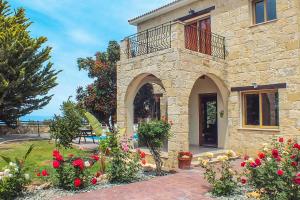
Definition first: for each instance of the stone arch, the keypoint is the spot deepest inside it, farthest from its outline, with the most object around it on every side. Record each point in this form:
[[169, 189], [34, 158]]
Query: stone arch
[[208, 83], [130, 94]]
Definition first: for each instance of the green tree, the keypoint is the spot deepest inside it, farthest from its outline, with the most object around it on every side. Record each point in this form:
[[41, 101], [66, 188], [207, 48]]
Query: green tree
[[100, 97], [24, 78]]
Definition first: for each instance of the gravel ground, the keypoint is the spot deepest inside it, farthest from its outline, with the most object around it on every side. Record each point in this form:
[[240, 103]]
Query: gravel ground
[[55, 193], [239, 194]]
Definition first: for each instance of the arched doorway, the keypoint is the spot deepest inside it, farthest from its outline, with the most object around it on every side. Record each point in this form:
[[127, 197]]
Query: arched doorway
[[145, 99], [208, 113]]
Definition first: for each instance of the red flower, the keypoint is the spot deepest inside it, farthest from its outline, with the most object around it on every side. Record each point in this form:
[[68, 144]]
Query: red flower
[[142, 154], [94, 181], [246, 157], [55, 153], [278, 159], [293, 156], [78, 163], [138, 150], [253, 164], [95, 157], [59, 157], [257, 162], [297, 179], [280, 172], [55, 164], [294, 164], [296, 146], [275, 153], [281, 139], [261, 155], [45, 173], [243, 181], [144, 162], [77, 182], [243, 164], [38, 174]]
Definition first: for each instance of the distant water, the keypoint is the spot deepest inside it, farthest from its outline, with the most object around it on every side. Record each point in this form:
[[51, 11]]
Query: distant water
[[35, 118]]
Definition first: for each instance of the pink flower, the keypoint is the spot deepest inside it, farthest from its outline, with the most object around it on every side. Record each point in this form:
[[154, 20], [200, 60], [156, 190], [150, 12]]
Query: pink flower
[[280, 172], [55, 164], [125, 147], [243, 181], [94, 181]]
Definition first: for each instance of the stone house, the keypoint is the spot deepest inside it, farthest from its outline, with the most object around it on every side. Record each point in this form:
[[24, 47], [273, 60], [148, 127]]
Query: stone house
[[230, 71]]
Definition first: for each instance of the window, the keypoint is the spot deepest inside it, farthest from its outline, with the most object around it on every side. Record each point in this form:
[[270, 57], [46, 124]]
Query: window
[[264, 10], [260, 109]]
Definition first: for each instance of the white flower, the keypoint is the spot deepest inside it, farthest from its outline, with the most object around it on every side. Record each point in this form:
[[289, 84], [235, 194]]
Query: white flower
[[12, 164], [87, 164], [16, 169], [10, 175], [6, 172], [26, 176]]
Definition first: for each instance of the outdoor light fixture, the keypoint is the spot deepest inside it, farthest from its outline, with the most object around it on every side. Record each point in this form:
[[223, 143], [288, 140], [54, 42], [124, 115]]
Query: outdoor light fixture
[[191, 11], [254, 85]]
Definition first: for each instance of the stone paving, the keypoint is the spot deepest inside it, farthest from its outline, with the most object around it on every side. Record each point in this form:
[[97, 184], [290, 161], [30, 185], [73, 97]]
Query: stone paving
[[185, 185]]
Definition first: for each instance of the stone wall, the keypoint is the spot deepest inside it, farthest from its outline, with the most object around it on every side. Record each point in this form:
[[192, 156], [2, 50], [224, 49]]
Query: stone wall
[[263, 54], [33, 129]]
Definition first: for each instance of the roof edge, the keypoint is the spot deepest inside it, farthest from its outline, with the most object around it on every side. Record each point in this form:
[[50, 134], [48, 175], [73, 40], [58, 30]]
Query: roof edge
[[159, 11]]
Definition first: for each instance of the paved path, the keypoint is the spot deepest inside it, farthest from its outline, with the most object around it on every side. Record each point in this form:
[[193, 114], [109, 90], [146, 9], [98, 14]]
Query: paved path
[[185, 185]]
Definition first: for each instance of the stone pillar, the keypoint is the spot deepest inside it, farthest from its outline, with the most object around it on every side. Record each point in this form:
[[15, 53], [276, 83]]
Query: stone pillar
[[124, 47], [177, 35]]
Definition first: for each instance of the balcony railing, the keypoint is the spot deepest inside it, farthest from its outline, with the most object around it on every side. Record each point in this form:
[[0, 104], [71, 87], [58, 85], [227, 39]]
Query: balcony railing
[[204, 42], [150, 40]]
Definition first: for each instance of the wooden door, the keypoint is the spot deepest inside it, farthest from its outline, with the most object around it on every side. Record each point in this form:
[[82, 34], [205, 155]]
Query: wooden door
[[191, 36], [205, 36]]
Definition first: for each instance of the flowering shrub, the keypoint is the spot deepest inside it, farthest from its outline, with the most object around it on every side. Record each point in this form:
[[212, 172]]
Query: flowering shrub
[[124, 165], [222, 178], [72, 172], [14, 177], [275, 173], [153, 134]]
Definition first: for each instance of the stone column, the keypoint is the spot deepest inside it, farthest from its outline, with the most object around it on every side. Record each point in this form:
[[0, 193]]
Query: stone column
[[177, 35], [124, 47]]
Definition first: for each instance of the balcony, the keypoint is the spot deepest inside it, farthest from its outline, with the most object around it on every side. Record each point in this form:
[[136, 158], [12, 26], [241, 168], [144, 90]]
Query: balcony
[[162, 37]]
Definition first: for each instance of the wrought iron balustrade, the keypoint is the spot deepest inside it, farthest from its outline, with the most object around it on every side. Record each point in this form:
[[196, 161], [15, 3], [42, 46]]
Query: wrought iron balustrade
[[204, 42], [148, 41]]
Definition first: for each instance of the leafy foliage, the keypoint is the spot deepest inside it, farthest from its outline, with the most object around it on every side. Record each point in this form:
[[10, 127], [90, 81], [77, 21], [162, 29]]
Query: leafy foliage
[[100, 97], [65, 128], [275, 172], [153, 134], [95, 124], [14, 177], [124, 165], [222, 178], [24, 79]]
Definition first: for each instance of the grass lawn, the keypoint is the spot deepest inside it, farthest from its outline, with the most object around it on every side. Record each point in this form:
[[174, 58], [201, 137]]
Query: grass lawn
[[40, 157]]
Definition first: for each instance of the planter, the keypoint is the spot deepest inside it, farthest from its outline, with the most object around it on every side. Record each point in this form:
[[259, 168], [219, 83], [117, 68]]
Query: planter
[[185, 160]]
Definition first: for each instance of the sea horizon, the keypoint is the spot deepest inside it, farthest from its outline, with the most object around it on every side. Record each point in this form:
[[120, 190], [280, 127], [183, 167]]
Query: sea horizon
[[35, 118]]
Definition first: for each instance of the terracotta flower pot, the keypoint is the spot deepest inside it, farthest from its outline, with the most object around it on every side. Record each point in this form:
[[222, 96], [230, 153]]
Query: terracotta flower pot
[[184, 160]]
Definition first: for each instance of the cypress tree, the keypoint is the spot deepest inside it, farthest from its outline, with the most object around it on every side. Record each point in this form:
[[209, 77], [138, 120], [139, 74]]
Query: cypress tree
[[26, 75]]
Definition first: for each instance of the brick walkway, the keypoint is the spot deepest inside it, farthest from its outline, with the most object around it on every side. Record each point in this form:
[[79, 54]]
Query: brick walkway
[[185, 185]]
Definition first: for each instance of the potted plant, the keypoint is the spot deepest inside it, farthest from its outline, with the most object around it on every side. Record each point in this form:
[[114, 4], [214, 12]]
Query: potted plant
[[184, 160]]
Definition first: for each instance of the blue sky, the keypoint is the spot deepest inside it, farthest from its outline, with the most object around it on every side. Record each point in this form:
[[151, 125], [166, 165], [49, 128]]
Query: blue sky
[[79, 28]]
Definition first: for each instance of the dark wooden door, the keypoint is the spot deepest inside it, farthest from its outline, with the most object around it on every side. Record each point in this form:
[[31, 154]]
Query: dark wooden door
[[205, 36], [208, 120]]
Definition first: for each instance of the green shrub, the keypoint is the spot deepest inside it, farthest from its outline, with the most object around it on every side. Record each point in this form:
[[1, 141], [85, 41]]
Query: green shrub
[[222, 178], [65, 128], [275, 171], [153, 134], [14, 178], [124, 166]]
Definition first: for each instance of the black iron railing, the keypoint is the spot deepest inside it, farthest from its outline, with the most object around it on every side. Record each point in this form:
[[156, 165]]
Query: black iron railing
[[204, 42], [149, 41]]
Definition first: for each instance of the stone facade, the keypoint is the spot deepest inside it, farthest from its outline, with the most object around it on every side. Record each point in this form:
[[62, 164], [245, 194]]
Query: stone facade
[[263, 54]]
